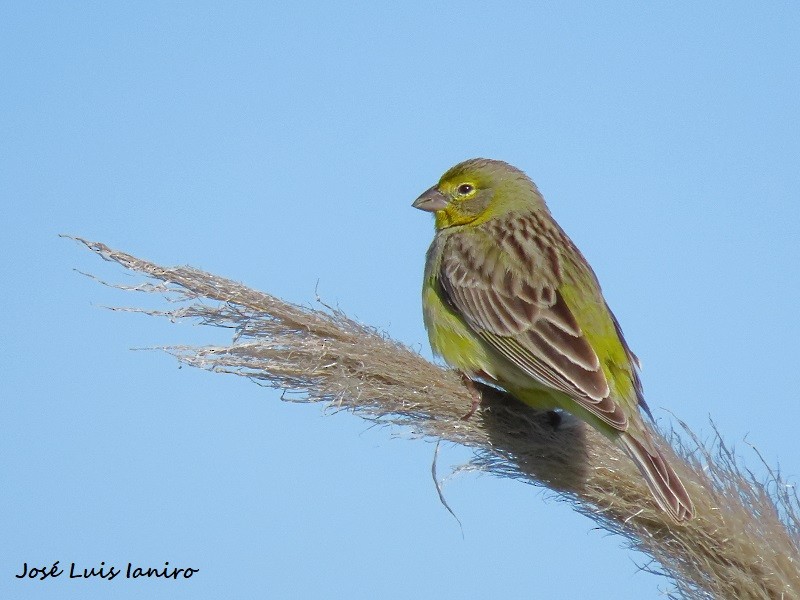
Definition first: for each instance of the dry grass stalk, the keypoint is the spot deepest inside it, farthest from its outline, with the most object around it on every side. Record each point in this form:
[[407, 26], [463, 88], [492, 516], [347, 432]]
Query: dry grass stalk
[[744, 542]]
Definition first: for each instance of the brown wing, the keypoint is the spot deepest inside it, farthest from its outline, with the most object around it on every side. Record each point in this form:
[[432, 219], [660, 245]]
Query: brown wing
[[504, 284]]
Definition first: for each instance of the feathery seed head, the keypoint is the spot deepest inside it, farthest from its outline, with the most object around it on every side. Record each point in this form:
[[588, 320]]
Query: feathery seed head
[[477, 190]]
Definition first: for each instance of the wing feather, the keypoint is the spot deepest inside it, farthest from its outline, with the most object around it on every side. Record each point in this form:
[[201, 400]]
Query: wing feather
[[507, 291]]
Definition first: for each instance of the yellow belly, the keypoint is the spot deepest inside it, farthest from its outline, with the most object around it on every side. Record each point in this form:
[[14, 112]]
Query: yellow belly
[[451, 339], [462, 349]]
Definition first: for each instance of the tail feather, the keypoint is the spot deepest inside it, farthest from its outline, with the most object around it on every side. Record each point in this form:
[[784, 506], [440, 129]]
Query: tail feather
[[663, 482]]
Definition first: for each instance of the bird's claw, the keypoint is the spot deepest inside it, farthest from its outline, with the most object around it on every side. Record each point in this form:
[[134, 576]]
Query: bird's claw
[[474, 392]]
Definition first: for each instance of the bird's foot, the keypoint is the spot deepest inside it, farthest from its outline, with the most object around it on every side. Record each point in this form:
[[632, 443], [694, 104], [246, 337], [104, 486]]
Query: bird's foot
[[474, 392], [554, 417]]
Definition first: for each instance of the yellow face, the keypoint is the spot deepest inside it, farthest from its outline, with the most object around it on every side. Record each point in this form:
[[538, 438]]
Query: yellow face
[[461, 209], [475, 190], [461, 197]]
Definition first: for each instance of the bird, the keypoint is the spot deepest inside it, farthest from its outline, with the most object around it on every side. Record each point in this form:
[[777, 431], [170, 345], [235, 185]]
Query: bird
[[509, 300]]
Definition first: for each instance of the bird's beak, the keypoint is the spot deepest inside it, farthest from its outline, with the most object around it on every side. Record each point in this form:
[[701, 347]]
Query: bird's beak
[[431, 200]]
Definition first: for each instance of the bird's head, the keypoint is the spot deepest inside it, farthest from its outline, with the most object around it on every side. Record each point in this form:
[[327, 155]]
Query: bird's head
[[477, 190]]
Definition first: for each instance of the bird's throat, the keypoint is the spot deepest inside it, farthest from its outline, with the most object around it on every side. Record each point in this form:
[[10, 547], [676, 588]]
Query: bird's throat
[[451, 218]]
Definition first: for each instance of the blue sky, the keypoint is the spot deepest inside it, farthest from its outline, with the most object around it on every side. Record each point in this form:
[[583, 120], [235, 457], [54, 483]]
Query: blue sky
[[281, 145]]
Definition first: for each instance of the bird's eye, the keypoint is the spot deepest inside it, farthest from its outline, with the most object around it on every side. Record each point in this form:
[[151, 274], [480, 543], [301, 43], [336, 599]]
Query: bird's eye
[[464, 189]]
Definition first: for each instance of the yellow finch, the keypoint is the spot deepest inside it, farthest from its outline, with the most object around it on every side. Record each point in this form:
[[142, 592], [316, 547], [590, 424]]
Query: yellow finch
[[509, 299]]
